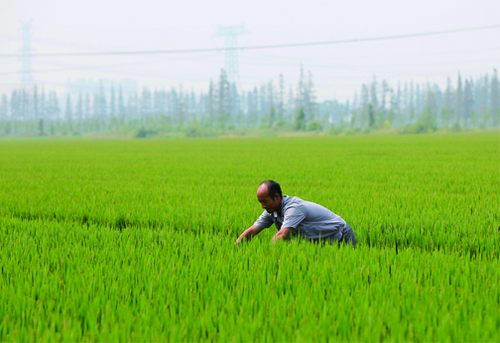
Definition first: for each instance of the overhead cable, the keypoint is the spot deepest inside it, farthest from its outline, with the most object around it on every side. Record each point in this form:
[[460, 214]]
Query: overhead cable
[[255, 47]]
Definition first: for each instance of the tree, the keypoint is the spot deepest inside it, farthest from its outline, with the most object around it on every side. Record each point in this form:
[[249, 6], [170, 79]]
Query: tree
[[300, 96], [468, 102], [211, 102], [300, 120], [270, 101], [459, 101], [375, 114], [383, 97], [36, 114], [371, 116], [69, 111], [354, 114], [102, 104], [15, 106], [4, 108], [406, 103], [96, 108], [121, 104], [394, 115], [252, 108], [484, 99], [173, 105], [373, 93], [263, 103], [112, 103], [418, 101], [281, 98], [411, 103], [290, 105], [428, 117], [41, 129], [310, 98], [56, 110], [24, 105], [495, 98], [145, 103], [202, 106], [224, 100], [235, 102], [79, 108], [181, 107], [364, 110], [272, 116], [88, 106], [132, 106], [42, 104], [447, 110]]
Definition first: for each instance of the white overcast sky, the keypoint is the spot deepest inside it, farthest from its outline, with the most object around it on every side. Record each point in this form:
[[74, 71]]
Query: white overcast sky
[[338, 69]]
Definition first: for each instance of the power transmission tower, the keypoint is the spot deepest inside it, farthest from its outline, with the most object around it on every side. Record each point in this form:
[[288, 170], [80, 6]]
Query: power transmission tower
[[26, 78], [231, 47], [26, 93]]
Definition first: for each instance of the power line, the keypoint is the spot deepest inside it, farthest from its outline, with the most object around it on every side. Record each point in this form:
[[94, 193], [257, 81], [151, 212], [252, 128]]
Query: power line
[[258, 47]]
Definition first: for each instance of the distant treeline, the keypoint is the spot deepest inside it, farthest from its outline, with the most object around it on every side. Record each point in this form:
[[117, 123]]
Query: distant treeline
[[411, 107]]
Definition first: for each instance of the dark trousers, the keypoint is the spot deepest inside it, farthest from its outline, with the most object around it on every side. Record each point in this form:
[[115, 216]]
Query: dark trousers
[[346, 238]]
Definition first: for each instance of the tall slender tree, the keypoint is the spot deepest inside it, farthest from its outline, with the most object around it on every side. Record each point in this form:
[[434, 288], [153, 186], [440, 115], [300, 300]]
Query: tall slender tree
[[281, 98], [43, 107], [211, 102], [484, 99], [79, 109], [224, 98], [36, 114], [121, 104], [468, 102], [112, 103], [310, 98], [412, 113], [4, 108], [68, 114], [103, 108], [459, 101], [447, 112], [365, 102], [495, 98]]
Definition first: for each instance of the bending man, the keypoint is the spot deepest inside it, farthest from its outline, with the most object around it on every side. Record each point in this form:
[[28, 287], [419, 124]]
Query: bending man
[[292, 216]]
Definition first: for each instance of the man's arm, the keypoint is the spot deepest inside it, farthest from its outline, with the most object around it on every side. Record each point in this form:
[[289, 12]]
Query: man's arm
[[282, 234], [248, 234]]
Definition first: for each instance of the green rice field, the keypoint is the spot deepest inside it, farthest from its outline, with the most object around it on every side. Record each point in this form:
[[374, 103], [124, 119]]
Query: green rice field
[[133, 240]]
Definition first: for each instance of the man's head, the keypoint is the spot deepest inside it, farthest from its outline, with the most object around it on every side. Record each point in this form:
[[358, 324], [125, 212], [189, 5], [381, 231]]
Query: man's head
[[270, 196]]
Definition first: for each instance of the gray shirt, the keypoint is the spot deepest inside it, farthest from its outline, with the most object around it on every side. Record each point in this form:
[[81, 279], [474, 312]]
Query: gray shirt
[[305, 218]]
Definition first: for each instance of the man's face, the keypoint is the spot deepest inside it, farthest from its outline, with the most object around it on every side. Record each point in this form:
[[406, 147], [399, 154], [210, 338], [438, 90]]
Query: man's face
[[267, 202]]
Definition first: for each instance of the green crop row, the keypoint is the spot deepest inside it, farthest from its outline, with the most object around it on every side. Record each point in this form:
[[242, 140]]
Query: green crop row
[[72, 283], [434, 192]]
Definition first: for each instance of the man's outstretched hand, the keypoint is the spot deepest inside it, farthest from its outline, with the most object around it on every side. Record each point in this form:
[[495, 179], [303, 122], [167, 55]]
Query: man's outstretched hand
[[248, 234], [282, 234]]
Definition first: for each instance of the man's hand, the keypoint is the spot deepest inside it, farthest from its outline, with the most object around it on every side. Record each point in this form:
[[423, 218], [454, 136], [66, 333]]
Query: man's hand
[[282, 234], [248, 234]]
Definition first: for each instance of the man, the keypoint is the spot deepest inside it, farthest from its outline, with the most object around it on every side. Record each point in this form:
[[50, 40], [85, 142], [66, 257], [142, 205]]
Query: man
[[292, 216]]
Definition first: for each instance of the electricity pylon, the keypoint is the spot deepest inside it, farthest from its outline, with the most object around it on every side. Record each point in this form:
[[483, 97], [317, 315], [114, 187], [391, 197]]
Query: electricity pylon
[[26, 78], [231, 47]]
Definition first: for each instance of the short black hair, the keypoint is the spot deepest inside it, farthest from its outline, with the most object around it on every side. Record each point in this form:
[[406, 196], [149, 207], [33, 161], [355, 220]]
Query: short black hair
[[272, 188]]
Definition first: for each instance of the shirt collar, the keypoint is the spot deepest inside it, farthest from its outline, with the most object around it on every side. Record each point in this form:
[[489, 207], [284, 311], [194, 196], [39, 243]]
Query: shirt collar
[[283, 200]]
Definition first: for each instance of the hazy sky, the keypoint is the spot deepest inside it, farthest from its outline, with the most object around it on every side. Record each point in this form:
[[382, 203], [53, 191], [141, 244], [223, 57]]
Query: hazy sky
[[338, 69]]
